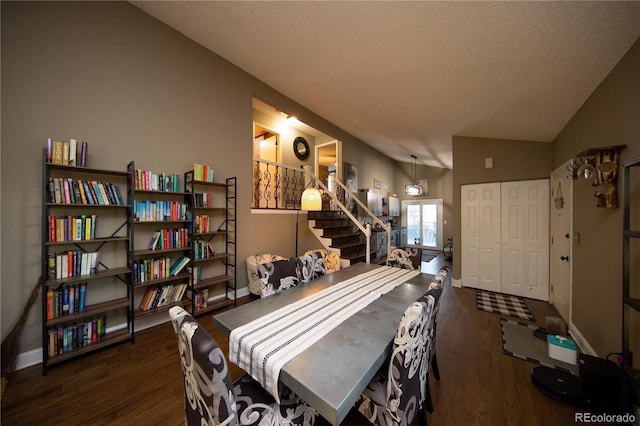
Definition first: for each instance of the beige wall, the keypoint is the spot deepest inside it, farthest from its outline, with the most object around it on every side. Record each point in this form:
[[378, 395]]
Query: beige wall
[[610, 116], [135, 89]]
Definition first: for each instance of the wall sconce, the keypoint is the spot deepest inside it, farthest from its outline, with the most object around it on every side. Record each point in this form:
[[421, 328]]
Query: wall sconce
[[413, 188], [601, 164]]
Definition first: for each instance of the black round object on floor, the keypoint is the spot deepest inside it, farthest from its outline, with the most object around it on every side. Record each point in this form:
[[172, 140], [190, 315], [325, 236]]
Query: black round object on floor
[[560, 385]]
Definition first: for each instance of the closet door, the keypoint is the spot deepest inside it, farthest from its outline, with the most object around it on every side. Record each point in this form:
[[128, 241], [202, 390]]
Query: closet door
[[480, 237], [525, 238]]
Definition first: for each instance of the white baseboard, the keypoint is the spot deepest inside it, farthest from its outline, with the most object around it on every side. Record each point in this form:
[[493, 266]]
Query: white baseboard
[[582, 343], [34, 357], [456, 283]]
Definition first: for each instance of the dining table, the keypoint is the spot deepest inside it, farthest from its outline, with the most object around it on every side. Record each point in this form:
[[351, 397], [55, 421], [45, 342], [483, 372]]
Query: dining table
[[332, 372]]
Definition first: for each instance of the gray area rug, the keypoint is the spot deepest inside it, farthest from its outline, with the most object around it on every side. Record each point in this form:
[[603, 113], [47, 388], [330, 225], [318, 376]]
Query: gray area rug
[[518, 341]]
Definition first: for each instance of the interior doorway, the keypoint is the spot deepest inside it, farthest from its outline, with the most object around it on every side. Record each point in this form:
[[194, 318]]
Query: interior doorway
[[327, 159]]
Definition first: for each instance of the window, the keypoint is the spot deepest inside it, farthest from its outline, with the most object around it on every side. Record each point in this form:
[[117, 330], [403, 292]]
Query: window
[[423, 220]]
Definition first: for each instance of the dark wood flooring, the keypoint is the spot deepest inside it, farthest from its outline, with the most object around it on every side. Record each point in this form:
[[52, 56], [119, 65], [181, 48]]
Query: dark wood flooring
[[142, 384]]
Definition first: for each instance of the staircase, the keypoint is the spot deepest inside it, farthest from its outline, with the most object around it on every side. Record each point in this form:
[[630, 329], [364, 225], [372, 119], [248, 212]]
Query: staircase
[[337, 232]]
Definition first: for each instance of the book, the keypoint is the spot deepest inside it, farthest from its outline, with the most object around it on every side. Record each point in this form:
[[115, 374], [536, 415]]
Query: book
[[88, 193], [178, 265], [154, 240], [57, 152], [83, 154], [103, 193], [93, 185], [49, 150], [73, 151], [65, 153]]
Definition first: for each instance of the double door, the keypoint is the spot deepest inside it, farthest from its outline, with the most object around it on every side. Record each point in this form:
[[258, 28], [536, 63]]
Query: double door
[[505, 237]]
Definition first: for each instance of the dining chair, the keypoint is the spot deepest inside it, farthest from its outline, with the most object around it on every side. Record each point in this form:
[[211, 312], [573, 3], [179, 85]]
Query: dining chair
[[331, 259], [210, 397], [405, 258], [437, 282], [252, 262], [310, 266], [398, 391], [277, 276]]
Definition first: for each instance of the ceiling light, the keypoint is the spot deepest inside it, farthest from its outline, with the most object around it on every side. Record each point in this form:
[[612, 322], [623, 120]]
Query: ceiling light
[[413, 188]]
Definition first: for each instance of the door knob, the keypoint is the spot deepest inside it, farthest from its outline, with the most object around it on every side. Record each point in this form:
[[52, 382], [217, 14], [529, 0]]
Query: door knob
[[564, 258]]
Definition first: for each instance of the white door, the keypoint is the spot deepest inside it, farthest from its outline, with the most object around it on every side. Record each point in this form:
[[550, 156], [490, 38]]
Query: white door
[[525, 238], [480, 236], [561, 241]]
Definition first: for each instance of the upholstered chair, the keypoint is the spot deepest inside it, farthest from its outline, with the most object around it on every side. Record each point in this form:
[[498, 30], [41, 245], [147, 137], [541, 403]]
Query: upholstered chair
[[331, 259], [277, 276], [398, 390], [211, 398], [406, 258], [252, 270], [310, 266]]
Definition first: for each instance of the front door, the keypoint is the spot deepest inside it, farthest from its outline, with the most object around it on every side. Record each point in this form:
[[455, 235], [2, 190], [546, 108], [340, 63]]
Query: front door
[[561, 241]]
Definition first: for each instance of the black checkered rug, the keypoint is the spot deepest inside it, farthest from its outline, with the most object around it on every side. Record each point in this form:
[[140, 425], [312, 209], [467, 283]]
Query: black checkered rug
[[504, 304]]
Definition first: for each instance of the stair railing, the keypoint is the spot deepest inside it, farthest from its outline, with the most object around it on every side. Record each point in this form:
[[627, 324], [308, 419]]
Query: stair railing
[[366, 229]]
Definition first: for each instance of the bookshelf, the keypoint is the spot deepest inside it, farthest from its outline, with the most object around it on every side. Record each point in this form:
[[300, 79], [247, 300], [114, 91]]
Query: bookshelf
[[212, 207], [86, 270], [160, 242], [630, 247]]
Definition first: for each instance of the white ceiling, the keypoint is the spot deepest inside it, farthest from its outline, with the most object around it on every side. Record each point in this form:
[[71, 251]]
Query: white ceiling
[[406, 76]]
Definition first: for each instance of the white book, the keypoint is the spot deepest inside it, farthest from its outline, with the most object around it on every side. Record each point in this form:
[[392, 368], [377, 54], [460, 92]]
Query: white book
[[73, 151]]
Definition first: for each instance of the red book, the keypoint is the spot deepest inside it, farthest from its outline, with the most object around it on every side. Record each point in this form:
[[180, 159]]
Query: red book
[[52, 229]]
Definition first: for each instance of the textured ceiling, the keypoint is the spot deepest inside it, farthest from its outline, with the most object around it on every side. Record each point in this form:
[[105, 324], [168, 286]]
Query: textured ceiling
[[406, 76]]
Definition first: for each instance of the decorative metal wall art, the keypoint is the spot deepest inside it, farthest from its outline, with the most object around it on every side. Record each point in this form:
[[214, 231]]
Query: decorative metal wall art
[[601, 164]]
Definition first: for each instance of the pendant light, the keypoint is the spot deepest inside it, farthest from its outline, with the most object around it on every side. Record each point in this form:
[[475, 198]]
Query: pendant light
[[413, 188]]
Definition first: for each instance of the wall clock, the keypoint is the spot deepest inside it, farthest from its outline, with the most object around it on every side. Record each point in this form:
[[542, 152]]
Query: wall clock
[[301, 148]]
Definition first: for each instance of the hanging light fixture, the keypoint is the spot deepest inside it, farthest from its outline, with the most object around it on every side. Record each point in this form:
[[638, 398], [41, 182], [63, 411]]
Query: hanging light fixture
[[413, 188]]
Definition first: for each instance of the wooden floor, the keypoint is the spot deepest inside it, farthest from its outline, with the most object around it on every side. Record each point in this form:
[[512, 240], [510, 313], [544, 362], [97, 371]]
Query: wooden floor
[[142, 384]]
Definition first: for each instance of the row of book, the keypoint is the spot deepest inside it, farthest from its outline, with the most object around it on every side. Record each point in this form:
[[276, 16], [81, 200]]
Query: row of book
[[165, 239], [156, 211], [72, 228], [202, 199], [63, 339], [145, 270], [146, 180], [203, 249], [202, 173], [156, 297], [79, 191], [200, 298], [201, 224], [67, 152], [72, 263], [66, 300]]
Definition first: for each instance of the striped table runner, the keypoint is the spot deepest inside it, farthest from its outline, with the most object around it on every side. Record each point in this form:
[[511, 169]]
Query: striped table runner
[[264, 345]]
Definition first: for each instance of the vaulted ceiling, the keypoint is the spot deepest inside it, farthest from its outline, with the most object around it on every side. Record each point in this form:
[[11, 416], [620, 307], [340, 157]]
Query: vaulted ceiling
[[404, 77]]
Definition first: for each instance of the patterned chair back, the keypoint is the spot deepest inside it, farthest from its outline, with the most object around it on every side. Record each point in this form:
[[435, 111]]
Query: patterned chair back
[[405, 258], [394, 397], [331, 259], [407, 379], [283, 274], [252, 269], [208, 393]]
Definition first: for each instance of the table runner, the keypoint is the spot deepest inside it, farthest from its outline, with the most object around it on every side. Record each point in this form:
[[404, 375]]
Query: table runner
[[264, 345]]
